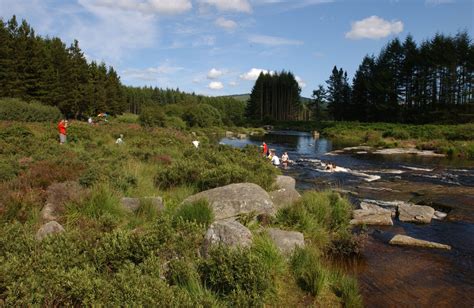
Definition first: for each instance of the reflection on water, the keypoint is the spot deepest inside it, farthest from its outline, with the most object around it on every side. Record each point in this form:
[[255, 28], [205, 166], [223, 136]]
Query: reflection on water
[[388, 275]]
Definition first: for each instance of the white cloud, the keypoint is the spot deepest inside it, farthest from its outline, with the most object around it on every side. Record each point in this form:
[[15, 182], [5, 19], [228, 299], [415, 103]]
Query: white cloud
[[300, 81], [227, 24], [233, 83], [216, 85], [148, 6], [214, 73], [254, 73], [374, 27], [151, 73], [229, 5], [272, 40]]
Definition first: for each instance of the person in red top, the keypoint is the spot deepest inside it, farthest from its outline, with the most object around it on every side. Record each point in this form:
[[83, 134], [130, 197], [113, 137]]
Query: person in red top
[[62, 128], [265, 149]]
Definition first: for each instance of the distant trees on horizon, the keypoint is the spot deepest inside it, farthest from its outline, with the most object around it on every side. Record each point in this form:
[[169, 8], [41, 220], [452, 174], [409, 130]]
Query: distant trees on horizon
[[407, 83], [45, 70], [275, 96]]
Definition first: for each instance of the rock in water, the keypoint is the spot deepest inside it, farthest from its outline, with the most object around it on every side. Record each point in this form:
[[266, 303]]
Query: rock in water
[[133, 204], [227, 232], [51, 227], [439, 215], [285, 182], [234, 199], [371, 214], [286, 241], [415, 213], [404, 240]]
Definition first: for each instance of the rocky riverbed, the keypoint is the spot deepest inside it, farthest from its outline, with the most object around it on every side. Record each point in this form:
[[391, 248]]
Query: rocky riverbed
[[391, 274]]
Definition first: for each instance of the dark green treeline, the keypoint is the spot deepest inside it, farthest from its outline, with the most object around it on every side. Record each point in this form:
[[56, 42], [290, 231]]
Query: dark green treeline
[[34, 68], [177, 103], [406, 82], [275, 97]]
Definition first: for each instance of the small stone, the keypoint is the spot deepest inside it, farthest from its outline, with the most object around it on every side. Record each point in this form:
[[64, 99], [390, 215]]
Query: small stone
[[49, 228], [133, 204], [286, 241], [226, 232]]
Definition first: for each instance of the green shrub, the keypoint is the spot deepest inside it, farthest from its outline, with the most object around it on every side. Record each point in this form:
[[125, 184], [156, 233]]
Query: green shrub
[[183, 274], [175, 122], [102, 200], [309, 272], [347, 289], [17, 110], [152, 116], [346, 244], [199, 212], [202, 115], [8, 170], [128, 118], [236, 274], [264, 248]]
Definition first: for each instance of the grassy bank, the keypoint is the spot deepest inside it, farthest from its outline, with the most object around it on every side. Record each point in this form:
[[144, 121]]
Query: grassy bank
[[454, 140], [110, 257]]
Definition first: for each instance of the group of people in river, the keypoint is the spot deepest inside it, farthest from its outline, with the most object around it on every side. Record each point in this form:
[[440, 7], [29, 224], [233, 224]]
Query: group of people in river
[[271, 155]]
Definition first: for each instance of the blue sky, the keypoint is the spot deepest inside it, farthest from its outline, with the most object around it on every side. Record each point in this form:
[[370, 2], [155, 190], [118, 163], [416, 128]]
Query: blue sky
[[218, 47]]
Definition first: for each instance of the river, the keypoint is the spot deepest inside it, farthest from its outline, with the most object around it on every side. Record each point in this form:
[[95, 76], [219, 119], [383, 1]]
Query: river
[[390, 275]]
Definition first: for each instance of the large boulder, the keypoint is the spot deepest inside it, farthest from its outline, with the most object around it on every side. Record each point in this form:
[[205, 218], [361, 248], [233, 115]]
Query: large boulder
[[285, 182], [58, 194], [404, 240], [415, 213], [235, 199], [49, 228], [284, 197], [133, 204], [286, 241], [228, 232], [371, 214]]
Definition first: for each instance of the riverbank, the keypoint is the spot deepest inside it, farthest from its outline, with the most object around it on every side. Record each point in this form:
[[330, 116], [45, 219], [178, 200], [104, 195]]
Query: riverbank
[[455, 141], [126, 238]]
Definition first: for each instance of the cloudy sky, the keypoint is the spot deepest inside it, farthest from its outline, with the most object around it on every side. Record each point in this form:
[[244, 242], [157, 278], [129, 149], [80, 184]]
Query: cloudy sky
[[218, 47]]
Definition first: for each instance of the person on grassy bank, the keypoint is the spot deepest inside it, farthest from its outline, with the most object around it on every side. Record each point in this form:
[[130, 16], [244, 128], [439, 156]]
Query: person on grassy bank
[[62, 128]]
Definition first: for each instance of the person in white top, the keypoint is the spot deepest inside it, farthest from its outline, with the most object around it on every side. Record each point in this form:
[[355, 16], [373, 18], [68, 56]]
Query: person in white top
[[275, 159], [119, 140]]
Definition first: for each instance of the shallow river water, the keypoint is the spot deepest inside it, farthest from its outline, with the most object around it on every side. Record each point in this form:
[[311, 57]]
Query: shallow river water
[[393, 276]]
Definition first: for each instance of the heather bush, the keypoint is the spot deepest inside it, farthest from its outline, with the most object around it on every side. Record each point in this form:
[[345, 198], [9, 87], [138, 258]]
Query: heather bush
[[17, 110]]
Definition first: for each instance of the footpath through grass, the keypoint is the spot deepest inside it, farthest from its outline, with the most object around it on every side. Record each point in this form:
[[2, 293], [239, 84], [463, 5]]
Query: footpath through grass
[[110, 257]]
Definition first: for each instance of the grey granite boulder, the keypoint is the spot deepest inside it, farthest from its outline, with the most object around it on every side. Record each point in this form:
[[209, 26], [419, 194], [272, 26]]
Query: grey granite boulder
[[284, 197], [133, 204], [235, 199], [285, 182], [58, 194], [49, 228], [415, 213], [286, 241], [228, 233]]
